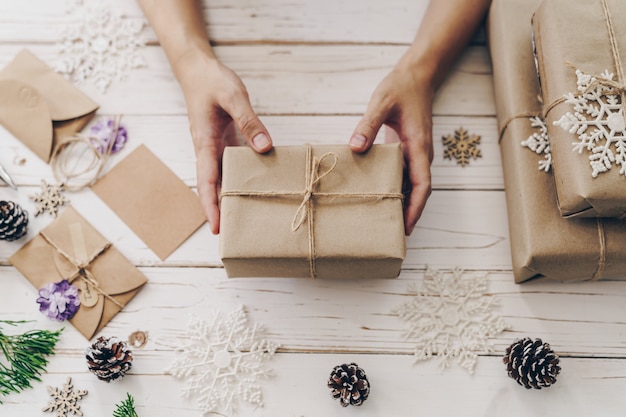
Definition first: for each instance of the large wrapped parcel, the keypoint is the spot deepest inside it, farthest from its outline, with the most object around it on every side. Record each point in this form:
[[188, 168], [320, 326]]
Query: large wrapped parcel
[[312, 211], [581, 57], [543, 244]]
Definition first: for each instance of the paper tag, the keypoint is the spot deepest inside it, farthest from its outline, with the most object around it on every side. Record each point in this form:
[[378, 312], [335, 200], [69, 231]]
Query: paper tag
[[88, 294]]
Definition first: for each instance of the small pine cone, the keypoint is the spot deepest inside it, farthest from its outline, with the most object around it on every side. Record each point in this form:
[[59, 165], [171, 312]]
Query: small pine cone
[[533, 364], [349, 383], [109, 358], [13, 221]]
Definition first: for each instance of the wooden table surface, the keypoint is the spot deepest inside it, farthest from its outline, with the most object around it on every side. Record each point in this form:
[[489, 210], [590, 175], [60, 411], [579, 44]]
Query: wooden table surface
[[310, 68]]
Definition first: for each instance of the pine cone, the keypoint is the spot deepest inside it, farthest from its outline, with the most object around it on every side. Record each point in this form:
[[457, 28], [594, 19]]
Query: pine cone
[[349, 383], [109, 358], [13, 221], [532, 363]]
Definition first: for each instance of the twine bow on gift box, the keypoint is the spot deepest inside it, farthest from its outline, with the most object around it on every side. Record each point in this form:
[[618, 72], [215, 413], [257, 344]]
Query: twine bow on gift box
[[314, 173], [617, 86], [88, 285]]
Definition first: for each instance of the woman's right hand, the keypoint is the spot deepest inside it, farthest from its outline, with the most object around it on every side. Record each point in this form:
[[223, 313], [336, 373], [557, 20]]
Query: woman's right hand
[[217, 103]]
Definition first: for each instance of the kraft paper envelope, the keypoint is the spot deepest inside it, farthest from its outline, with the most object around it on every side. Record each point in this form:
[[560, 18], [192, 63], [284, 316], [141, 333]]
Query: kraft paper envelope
[[152, 201], [70, 248], [39, 106]]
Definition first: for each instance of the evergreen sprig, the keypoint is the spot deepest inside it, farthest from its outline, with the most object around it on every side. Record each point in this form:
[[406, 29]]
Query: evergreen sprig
[[24, 357], [126, 408]]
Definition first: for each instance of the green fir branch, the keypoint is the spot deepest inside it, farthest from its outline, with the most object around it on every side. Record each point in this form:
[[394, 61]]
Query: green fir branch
[[126, 408], [23, 357]]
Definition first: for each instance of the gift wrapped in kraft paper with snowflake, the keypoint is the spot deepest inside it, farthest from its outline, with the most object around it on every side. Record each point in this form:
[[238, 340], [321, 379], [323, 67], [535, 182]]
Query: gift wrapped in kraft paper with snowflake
[[543, 244], [581, 60]]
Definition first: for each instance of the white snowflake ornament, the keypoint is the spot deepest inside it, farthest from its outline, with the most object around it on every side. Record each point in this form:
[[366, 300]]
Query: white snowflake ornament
[[222, 361], [451, 316], [539, 142], [99, 44], [598, 121]]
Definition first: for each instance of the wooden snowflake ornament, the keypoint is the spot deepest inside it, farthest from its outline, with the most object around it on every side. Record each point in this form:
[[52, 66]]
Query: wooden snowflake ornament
[[49, 199], [461, 146], [65, 400]]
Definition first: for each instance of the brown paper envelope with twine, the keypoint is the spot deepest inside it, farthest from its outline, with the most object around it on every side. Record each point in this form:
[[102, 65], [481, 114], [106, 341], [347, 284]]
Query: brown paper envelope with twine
[[70, 248], [39, 106], [543, 244], [575, 35], [152, 201], [312, 211]]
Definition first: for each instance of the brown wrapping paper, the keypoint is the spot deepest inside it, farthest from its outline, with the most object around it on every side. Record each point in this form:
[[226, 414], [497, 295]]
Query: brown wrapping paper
[[70, 248], [354, 220], [543, 244], [39, 106], [570, 35], [152, 201]]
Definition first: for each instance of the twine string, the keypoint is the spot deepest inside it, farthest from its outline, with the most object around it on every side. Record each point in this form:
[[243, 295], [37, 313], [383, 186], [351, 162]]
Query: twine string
[[82, 266], [602, 259], [61, 158]]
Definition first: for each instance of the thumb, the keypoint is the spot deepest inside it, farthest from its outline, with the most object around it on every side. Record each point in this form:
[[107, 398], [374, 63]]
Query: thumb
[[367, 129], [251, 127]]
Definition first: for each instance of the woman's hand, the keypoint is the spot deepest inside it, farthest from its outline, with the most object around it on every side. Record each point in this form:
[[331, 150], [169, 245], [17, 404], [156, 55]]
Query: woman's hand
[[217, 103], [403, 102]]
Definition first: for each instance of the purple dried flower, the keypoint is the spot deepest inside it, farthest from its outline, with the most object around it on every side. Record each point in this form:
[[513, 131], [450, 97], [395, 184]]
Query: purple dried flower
[[59, 300], [103, 131]]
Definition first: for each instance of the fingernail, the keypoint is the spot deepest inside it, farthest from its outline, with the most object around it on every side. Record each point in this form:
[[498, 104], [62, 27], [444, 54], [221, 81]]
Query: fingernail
[[357, 141], [261, 141]]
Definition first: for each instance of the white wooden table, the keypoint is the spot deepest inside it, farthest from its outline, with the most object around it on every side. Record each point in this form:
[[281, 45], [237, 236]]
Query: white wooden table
[[310, 68]]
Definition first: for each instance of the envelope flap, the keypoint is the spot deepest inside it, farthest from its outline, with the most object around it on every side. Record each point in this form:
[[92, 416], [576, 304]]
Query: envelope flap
[[25, 113], [64, 100], [115, 274], [74, 236]]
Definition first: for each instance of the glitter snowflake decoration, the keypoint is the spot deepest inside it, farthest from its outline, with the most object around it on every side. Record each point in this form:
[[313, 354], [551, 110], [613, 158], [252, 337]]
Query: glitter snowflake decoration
[[461, 146], [49, 199], [539, 142], [99, 44], [222, 361], [451, 317], [598, 121], [65, 400]]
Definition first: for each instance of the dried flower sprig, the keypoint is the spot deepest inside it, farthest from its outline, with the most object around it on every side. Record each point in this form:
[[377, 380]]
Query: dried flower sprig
[[108, 136], [126, 408], [24, 357]]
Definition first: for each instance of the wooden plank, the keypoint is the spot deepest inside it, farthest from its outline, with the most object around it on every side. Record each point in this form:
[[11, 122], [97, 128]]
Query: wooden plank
[[468, 228], [168, 137], [245, 21], [577, 319], [298, 388], [289, 79]]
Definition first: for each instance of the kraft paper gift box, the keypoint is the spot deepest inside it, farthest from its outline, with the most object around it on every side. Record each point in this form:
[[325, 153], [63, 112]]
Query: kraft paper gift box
[[581, 57], [39, 106], [70, 248], [312, 211], [543, 244]]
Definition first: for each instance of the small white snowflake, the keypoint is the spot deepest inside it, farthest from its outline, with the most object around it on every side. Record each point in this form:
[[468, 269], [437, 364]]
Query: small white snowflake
[[222, 361], [99, 44], [598, 121], [539, 142], [451, 317], [65, 400]]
